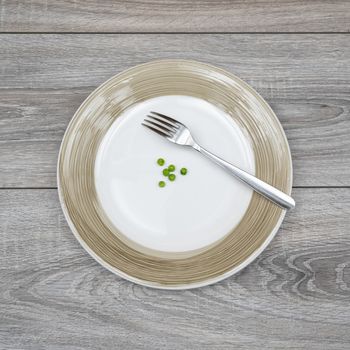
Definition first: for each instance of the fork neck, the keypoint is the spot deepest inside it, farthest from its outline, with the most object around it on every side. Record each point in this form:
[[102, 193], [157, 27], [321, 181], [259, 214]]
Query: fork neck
[[196, 147]]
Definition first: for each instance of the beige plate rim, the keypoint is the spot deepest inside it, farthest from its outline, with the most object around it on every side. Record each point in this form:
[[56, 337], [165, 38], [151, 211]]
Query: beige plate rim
[[146, 283]]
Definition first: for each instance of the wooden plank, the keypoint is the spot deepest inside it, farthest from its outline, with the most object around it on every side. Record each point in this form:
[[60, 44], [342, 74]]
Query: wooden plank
[[305, 78], [32, 123], [174, 16], [296, 295]]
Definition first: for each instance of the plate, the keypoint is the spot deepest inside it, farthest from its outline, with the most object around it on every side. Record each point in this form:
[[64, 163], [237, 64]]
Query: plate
[[198, 229]]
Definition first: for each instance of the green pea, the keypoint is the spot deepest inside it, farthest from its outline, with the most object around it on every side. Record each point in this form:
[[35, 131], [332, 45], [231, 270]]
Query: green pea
[[183, 171], [171, 167], [161, 184], [161, 161], [166, 172], [172, 177]]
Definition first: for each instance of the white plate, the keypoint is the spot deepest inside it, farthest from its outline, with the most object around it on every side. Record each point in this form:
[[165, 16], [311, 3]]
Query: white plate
[[195, 210]]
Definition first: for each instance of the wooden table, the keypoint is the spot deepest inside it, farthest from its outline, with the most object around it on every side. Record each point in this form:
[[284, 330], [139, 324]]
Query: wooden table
[[296, 54]]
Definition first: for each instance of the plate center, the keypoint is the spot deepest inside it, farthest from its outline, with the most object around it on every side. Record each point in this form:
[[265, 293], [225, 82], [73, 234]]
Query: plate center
[[195, 210]]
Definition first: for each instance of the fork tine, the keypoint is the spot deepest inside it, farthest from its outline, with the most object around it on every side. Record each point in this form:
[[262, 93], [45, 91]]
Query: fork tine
[[167, 118], [161, 133], [160, 126], [163, 122]]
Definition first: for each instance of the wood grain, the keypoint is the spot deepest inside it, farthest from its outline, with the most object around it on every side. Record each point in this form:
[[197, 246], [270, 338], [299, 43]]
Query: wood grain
[[296, 295], [44, 78], [174, 16]]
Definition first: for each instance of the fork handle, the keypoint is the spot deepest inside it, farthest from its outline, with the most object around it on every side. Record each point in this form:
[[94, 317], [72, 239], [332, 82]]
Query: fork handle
[[268, 191]]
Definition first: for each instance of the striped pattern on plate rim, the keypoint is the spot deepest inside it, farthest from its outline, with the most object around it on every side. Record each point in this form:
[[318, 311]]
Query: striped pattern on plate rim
[[76, 173]]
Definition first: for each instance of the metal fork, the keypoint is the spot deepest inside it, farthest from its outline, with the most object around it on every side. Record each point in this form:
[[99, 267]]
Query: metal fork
[[178, 133]]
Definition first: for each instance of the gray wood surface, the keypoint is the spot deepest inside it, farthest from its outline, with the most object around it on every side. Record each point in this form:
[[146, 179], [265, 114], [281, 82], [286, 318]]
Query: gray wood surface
[[44, 78], [174, 16], [296, 295]]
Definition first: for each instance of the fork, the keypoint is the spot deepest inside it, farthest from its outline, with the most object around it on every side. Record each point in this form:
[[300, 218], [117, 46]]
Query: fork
[[178, 133]]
